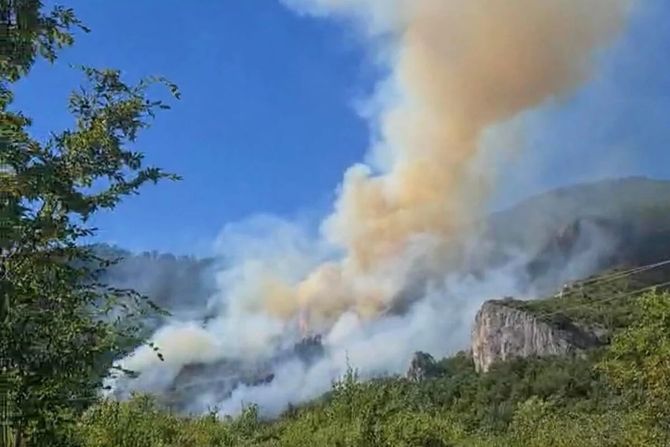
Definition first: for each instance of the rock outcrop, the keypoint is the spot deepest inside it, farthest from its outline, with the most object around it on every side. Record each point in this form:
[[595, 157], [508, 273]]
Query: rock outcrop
[[502, 331], [421, 367]]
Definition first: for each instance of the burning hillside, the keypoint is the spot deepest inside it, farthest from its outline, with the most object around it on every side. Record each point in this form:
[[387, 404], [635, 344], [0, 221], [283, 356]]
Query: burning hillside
[[389, 272]]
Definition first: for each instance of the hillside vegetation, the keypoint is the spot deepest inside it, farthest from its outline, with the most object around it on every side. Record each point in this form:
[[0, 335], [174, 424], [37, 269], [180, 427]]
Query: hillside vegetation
[[613, 396], [607, 301]]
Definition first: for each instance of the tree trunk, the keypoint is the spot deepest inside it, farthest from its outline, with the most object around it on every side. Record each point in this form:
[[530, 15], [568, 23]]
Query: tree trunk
[[18, 438]]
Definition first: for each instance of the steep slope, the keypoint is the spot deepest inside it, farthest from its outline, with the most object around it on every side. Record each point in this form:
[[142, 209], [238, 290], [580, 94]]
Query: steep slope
[[584, 225], [502, 332], [632, 202], [583, 315], [584, 229]]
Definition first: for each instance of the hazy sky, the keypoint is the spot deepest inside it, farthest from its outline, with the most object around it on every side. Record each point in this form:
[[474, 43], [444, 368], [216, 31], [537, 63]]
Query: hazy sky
[[268, 120]]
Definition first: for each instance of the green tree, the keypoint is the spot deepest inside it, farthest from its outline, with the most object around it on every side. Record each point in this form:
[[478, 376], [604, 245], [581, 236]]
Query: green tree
[[60, 328], [638, 361]]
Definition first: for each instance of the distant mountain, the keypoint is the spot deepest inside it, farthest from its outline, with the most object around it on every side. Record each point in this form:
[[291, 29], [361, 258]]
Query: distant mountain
[[638, 201], [580, 230], [564, 235], [181, 285], [617, 221]]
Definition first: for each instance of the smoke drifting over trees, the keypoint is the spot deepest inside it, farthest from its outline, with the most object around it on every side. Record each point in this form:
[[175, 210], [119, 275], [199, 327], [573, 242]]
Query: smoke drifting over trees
[[405, 258]]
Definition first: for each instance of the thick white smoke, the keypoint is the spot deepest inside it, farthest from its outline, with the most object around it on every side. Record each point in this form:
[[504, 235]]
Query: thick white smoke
[[457, 68]]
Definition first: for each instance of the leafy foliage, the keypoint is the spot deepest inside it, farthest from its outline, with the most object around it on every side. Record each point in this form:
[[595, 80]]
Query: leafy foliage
[[27, 32], [608, 301], [638, 362], [559, 401], [55, 343]]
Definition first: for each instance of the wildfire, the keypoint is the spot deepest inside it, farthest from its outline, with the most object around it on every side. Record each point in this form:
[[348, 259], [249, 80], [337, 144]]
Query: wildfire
[[303, 323]]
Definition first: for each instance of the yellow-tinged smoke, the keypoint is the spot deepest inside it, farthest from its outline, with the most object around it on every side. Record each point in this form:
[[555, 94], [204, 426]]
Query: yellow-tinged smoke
[[457, 68]]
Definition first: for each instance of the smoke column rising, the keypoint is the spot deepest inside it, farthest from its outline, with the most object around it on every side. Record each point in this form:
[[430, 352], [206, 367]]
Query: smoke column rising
[[457, 68]]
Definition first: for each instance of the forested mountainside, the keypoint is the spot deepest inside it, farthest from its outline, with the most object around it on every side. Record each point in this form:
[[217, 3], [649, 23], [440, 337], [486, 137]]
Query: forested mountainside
[[587, 365], [632, 202], [174, 282], [179, 285], [588, 233], [630, 217], [581, 230], [612, 392]]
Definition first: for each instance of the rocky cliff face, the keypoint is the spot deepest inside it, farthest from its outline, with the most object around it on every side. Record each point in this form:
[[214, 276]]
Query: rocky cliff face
[[502, 332]]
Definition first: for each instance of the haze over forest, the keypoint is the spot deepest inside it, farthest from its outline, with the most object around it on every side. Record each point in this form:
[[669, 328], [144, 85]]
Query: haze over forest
[[374, 222]]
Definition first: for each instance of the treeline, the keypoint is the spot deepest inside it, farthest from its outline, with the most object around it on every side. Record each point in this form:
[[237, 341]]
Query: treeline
[[178, 284], [61, 326], [616, 396]]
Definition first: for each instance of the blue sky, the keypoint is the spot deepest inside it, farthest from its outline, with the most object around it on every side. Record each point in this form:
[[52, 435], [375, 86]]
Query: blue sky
[[267, 122], [615, 125]]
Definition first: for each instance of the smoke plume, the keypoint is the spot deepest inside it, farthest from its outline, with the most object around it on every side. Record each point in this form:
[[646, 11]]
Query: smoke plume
[[457, 68], [374, 281]]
